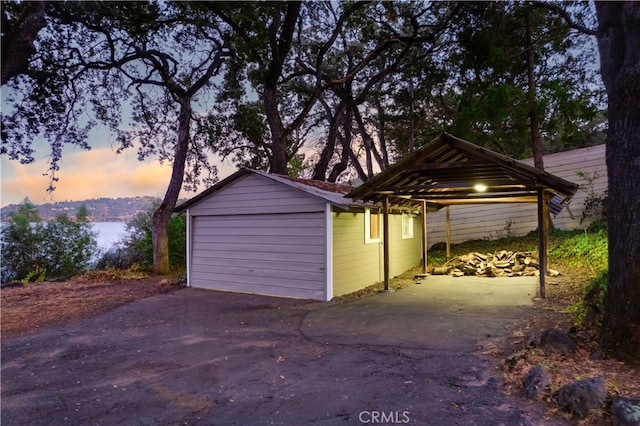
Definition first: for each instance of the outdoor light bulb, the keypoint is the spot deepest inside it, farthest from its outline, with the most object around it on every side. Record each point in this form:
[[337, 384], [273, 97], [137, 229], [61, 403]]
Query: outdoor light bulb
[[480, 187]]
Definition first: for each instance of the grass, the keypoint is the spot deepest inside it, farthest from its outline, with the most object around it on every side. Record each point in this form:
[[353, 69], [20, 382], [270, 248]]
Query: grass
[[584, 248]]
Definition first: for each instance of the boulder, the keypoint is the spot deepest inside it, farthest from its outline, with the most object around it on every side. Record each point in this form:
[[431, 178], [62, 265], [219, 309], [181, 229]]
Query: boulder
[[554, 340], [583, 336], [533, 339], [536, 381], [512, 360], [582, 396], [626, 411]]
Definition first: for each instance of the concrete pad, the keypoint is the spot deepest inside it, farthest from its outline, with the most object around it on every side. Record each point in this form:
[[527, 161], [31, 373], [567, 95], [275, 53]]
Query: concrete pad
[[476, 291], [458, 310]]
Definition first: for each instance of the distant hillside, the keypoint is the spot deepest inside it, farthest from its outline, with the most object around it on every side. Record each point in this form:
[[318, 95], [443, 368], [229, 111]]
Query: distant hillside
[[100, 209]]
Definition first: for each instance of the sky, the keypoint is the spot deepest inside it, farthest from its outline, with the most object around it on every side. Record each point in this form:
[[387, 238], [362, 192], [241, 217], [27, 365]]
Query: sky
[[99, 172]]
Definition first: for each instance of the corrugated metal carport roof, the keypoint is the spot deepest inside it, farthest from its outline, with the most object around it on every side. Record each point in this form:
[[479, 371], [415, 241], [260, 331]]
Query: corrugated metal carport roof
[[447, 170]]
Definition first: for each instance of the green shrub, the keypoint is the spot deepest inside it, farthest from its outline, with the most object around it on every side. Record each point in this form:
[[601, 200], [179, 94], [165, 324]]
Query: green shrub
[[136, 248], [35, 251]]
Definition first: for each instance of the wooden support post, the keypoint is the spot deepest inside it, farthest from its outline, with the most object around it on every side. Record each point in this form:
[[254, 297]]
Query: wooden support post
[[448, 232], [542, 239], [424, 237], [547, 230], [385, 213]]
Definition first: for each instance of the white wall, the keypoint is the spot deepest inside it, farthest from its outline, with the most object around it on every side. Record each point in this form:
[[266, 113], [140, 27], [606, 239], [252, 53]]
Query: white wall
[[469, 222]]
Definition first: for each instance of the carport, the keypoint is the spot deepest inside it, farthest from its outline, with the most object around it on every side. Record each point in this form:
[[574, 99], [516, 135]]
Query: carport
[[451, 171]]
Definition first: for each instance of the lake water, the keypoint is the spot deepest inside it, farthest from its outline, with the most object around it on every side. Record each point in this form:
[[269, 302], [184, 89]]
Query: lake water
[[109, 233]]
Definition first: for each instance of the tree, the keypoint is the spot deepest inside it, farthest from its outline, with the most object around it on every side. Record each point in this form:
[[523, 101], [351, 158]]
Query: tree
[[162, 57], [618, 38], [392, 37], [524, 82], [69, 246], [318, 61], [136, 247], [269, 38], [21, 241], [32, 250], [21, 23]]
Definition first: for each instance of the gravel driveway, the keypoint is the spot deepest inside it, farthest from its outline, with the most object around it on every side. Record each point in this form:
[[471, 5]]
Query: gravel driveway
[[201, 357]]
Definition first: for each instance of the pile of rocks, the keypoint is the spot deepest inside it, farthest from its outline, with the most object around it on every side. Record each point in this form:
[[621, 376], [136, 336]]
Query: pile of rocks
[[579, 397], [502, 263]]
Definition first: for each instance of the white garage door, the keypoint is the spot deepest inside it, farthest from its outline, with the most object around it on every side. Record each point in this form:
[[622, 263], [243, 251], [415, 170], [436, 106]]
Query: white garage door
[[275, 254]]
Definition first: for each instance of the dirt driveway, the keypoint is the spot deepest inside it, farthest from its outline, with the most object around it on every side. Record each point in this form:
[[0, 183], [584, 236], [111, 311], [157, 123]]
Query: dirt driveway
[[208, 358]]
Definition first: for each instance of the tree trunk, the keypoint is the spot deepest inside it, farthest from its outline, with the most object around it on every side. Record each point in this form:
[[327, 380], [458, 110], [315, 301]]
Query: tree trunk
[[411, 143], [340, 167], [534, 119], [159, 233], [280, 37], [369, 144], [18, 38], [381, 135], [619, 45], [278, 143], [321, 167]]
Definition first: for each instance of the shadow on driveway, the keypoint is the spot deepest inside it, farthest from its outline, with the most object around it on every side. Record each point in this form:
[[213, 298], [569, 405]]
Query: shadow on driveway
[[204, 357]]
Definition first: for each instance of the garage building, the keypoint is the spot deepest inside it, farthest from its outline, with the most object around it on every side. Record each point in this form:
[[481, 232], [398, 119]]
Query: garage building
[[262, 233]]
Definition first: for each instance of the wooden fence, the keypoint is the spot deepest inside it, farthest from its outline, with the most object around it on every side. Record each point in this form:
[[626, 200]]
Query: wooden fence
[[491, 221]]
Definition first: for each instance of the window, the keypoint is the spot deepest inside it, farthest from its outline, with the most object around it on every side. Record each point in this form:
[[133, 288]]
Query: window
[[371, 226], [407, 225]]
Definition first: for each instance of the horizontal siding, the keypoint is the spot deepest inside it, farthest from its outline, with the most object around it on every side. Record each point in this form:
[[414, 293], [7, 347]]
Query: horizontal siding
[[274, 254], [357, 265], [281, 290], [255, 194], [251, 255], [469, 222], [404, 253]]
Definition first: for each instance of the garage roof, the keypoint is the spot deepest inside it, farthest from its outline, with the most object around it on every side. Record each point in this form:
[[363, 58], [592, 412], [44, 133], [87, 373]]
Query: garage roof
[[448, 170], [333, 193]]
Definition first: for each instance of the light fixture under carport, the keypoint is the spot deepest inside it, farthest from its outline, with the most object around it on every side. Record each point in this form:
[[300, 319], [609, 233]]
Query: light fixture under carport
[[442, 173]]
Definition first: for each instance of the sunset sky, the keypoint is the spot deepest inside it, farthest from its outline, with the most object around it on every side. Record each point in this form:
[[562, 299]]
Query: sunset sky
[[97, 173]]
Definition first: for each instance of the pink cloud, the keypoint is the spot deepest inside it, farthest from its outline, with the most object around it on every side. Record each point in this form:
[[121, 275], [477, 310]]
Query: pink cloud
[[97, 173], [88, 174]]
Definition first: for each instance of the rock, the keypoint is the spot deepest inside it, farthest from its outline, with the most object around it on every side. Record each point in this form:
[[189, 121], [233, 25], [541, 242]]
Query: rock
[[534, 339], [513, 359], [583, 336], [626, 411], [596, 354], [536, 381], [554, 340], [582, 396]]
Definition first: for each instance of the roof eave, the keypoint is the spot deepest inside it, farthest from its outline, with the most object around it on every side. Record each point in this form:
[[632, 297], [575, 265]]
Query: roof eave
[[519, 171]]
